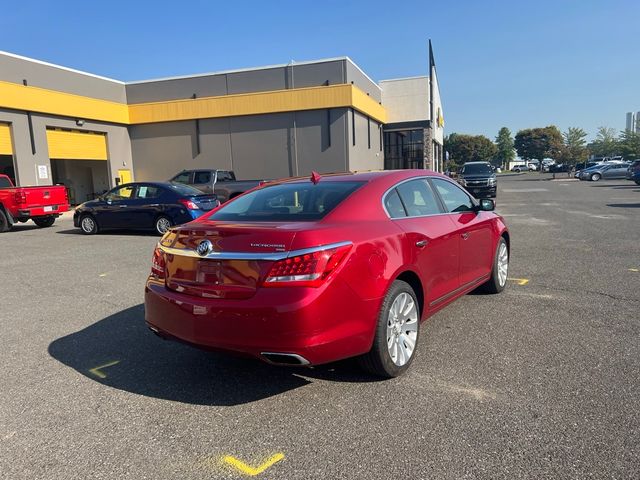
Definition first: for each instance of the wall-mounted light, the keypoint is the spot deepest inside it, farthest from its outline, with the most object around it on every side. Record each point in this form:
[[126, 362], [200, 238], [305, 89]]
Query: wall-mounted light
[[79, 122]]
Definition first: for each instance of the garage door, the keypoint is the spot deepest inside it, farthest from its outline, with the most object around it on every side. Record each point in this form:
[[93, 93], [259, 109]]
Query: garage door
[[5, 140], [74, 145]]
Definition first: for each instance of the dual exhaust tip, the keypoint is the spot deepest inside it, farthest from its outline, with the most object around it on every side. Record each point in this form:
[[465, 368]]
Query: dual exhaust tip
[[290, 359]]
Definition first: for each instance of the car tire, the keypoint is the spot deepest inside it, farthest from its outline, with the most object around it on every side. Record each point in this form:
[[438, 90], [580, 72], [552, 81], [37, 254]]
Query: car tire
[[162, 224], [88, 224], [5, 226], [44, 222], [499, 270], [396, 335], [595, 177]]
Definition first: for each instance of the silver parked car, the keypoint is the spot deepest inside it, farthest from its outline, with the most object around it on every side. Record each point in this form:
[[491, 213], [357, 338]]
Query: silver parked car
[[608, 171]]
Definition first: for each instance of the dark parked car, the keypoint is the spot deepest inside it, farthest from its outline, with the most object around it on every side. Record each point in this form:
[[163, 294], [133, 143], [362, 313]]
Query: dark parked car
[[633, 172], [479, 179], [559, 167], [143, 206]]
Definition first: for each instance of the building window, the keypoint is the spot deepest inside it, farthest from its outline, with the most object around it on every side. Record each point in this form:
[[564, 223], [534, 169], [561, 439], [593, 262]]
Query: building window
[[369, 132], [404, 149]]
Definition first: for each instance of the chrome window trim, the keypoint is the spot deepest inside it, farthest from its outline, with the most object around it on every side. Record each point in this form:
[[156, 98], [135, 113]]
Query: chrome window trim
[[184, 252], [424, 177]]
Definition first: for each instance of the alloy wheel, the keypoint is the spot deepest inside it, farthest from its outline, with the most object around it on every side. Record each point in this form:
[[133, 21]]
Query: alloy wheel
[[503, 264], [88, 224], [162, 225], [402, 329]]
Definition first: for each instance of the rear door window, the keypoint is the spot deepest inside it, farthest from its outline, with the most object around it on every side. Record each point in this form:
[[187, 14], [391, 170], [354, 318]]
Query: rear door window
[[202, 177], [287, 202], [418, 198], [224, 176], [454, 198], [393, 205], [148, 191]]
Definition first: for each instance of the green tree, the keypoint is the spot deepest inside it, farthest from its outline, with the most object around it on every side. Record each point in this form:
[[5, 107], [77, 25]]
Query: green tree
[[606, 143], [629, 144], [575, 146], [469, 148], [504, 144], [539, 143]]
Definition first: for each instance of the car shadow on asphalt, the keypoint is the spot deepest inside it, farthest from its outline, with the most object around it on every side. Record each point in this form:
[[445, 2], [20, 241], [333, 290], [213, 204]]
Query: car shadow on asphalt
[[132, 233], [624, 205], [617, 186], [24, 227], [120, 352]]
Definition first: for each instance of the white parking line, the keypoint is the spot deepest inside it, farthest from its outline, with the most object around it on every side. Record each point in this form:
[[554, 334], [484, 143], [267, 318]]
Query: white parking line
[[524, 190]]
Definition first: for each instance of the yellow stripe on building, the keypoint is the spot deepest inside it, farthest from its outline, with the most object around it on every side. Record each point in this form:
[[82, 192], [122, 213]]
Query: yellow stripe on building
[[35, 99], [77, 145], [291, 100], [6, 146]]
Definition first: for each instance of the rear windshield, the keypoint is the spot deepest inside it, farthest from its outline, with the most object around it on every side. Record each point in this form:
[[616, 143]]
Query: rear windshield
[[4, 182], [476, 168], [289, 202], [185, 190]]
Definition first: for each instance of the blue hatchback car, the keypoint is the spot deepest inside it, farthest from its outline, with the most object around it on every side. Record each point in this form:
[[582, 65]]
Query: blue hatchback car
[[143, 206]]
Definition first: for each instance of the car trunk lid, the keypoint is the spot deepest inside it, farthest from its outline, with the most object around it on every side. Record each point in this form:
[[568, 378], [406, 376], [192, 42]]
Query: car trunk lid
[[238, 259]]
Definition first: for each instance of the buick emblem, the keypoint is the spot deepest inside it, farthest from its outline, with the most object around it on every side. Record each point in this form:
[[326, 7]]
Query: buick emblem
[[204, 248]]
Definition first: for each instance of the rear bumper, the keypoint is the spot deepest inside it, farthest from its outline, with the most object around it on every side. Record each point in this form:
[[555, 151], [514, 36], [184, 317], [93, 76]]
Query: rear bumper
[[42, 211], [321, 325]]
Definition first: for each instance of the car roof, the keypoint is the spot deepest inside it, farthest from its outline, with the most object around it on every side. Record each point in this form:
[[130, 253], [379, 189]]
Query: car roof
[[475, 163], [365, 176]]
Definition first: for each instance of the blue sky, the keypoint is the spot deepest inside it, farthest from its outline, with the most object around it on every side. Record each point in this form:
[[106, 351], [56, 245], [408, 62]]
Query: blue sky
[[500, 63]]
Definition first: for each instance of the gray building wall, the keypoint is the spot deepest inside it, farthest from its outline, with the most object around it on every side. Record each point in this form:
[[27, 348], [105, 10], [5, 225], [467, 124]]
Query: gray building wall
[[228, 83], [255, 146], [365, 154], [15, 69]]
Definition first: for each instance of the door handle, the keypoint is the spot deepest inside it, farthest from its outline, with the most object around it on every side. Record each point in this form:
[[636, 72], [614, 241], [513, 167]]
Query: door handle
[[464, 236], [122, 206], [422, 243]]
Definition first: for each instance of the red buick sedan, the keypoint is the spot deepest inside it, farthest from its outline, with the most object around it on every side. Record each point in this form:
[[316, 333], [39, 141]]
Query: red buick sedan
[[309, 271]]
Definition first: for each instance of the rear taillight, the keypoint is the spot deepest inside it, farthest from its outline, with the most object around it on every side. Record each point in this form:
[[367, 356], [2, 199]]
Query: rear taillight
[[189, 204], [158, 263], [20, 197], [308, 270]]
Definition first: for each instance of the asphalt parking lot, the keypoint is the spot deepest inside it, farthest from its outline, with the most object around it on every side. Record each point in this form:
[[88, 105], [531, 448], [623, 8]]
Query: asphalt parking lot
[[542, 381]]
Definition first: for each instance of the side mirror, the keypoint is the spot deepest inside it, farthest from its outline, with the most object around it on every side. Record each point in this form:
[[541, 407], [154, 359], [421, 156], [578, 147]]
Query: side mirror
[[487, 205]]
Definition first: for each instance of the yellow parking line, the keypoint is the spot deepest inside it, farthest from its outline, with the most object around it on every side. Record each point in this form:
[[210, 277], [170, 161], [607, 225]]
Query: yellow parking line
[[634, 269], [96, 370], [252, 471], [519, 281]]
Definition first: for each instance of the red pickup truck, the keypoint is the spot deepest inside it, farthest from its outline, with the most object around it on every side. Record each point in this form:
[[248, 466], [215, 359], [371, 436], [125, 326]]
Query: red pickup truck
[[40, 204]]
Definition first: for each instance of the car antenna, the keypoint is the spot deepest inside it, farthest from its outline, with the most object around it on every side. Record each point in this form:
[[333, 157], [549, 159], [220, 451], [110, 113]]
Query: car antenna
[[315, 177]]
